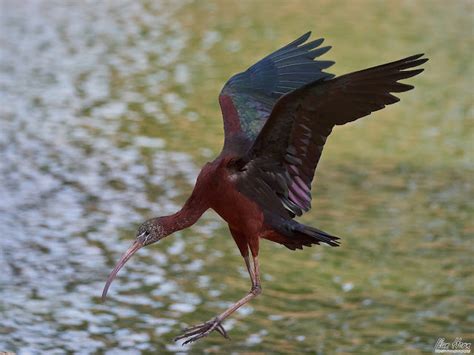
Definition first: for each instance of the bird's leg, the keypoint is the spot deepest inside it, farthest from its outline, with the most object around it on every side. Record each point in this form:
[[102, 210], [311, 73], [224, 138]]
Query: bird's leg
[[201, 330], [249, 269]]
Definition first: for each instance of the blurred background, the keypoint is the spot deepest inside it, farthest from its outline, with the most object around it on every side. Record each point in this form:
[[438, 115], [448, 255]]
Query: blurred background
[[109, 109]]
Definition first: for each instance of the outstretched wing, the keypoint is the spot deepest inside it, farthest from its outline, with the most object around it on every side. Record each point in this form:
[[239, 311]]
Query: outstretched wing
[[248, 97], [283, 158]]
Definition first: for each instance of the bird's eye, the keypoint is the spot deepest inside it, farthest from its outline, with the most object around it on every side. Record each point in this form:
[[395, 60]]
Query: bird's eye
[[143, 235]]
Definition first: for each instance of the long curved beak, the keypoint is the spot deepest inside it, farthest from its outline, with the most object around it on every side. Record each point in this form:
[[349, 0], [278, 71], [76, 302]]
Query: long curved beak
[[125, 257]]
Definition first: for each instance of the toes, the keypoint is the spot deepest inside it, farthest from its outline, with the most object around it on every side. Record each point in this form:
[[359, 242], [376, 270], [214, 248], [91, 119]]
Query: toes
[[222, 330], [197, 337], [197, 332], [188, 334], [194, 327], [197, 329]]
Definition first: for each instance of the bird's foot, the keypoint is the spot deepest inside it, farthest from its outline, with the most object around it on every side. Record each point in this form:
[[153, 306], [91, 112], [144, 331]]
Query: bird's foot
[[201, 330]]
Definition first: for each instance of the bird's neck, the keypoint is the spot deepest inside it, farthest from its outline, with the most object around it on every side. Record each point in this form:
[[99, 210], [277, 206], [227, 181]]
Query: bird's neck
[[186, 217]]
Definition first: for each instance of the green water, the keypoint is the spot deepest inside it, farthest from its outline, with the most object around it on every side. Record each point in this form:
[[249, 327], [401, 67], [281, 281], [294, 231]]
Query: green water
[[108, 111]]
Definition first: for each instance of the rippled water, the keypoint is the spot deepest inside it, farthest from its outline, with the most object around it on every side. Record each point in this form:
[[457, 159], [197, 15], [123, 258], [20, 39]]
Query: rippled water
[[107, 111]]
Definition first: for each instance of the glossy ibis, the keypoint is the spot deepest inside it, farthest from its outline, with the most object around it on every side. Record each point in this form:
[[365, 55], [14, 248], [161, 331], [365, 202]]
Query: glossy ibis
[[277, 117]]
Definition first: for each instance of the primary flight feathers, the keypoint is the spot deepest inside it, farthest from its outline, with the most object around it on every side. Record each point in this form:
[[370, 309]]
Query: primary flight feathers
[[287, 106], [255, 91]]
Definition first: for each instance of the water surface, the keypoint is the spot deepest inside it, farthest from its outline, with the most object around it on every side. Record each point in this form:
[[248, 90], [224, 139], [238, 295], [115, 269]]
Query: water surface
[[108, 109]]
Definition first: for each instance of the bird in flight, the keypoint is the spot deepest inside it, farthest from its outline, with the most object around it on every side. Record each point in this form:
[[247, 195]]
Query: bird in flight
[[277, 115]]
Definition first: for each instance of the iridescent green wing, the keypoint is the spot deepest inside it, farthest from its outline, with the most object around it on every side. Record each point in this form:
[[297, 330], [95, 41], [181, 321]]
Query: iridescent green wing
[[248, 97]]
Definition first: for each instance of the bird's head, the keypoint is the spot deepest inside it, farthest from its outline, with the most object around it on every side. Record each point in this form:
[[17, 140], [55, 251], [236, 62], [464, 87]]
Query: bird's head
[[151, 231], [148, 233]]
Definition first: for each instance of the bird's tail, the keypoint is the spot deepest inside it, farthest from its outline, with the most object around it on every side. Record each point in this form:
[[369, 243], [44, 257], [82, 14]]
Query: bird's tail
[[318, 235], [294, 235]]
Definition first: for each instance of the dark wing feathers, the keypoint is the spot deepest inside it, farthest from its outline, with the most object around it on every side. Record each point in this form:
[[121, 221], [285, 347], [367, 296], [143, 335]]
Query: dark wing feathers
[[255, 91], [294, 136]]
